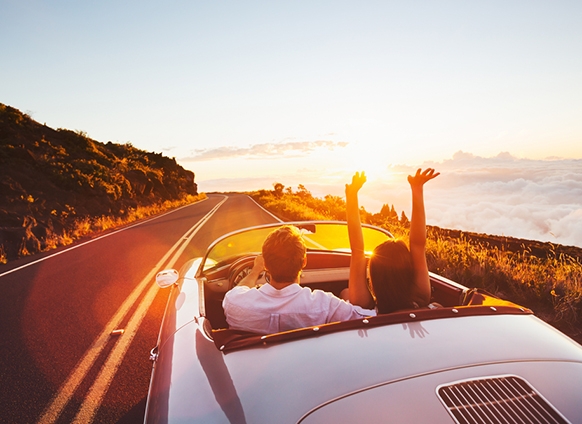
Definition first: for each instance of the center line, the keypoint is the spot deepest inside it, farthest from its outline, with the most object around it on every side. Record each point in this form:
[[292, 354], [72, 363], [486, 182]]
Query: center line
[[97, 392], [58, 403]]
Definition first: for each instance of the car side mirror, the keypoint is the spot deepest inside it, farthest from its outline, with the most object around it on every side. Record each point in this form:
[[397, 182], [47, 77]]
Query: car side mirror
[[167, 277]]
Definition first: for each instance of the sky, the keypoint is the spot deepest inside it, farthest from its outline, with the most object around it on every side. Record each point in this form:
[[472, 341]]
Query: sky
[[249, 93]]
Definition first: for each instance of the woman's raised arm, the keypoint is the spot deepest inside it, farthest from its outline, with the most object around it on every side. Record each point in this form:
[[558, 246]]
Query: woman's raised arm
[[359, 294], [421, 293]]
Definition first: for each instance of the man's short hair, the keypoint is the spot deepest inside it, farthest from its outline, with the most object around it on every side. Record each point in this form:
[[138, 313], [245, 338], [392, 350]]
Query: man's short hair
[[284, 252]]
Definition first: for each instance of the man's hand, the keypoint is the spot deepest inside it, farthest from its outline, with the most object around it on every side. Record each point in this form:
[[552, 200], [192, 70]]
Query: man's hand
[[259, 264], [250, 280]]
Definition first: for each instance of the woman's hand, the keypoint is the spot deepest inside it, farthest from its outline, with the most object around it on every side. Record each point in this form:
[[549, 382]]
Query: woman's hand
[[422, 177], [358, 181]]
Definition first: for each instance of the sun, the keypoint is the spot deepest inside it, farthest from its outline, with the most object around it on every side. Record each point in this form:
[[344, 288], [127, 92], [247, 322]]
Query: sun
[[369, 159]]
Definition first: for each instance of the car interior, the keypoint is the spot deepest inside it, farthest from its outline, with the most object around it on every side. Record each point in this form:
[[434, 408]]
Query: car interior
[[328, 271]]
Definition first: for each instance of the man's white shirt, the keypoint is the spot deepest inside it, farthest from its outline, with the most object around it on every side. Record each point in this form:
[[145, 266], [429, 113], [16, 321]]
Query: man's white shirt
[[267, 310]]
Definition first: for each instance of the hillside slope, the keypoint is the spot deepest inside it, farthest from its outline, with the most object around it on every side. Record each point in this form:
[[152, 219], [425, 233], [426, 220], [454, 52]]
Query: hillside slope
[[51, 179]]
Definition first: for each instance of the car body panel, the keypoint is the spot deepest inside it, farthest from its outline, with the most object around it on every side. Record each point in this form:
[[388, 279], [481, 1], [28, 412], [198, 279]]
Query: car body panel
[[183, 305], [371, 370], [414, 400], [285, 375]]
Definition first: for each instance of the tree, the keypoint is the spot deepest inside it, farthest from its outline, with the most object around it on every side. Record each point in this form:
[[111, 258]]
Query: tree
[[393, 214], [278, 187], [404, 220], [385, 211], [389, 213], [303, 192]]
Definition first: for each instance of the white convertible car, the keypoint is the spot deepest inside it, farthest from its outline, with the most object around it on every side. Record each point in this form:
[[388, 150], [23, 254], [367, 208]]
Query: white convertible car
[[478, 359]]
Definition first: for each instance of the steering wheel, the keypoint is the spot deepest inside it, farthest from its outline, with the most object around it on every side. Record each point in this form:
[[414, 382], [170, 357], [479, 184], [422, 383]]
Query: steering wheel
[[240, 269]]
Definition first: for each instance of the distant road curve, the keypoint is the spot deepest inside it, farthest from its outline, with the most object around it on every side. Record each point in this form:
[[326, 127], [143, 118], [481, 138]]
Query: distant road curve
[[59, 361]]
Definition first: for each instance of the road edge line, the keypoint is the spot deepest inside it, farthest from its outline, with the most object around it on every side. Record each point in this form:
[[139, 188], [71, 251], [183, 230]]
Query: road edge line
[[51, 413], [10, 271], [98, 390], [270, 213]]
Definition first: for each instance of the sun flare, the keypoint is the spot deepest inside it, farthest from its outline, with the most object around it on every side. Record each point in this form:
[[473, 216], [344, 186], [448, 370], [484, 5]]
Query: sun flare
[[368, 159]]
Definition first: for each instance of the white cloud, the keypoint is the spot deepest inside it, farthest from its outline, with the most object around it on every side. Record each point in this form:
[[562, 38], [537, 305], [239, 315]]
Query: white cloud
[[290, 148], [504, 195]]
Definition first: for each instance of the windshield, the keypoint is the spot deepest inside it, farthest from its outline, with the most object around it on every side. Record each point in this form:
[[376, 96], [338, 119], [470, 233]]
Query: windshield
[[318, 236]]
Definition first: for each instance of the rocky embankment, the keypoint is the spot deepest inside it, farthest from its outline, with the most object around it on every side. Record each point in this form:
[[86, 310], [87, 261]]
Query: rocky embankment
[[50, 179]]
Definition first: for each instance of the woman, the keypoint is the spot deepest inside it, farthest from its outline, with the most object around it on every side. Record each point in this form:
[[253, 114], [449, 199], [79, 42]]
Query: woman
[[398, 275]]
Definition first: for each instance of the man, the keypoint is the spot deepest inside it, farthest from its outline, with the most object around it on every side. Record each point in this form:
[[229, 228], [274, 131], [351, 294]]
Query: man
[[282, 304]]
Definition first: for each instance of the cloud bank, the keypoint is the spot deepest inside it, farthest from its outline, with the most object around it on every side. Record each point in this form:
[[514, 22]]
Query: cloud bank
[[504, 195], [501, 195]]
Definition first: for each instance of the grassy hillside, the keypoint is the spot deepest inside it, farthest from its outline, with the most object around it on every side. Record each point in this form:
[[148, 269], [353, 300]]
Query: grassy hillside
[[542, 276], [58, 185]]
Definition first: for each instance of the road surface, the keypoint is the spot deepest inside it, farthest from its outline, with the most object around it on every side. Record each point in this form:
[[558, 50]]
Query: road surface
[[59, 361]]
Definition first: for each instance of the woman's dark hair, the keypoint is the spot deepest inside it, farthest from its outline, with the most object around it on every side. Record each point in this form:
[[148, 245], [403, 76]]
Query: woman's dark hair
[[391, 276]]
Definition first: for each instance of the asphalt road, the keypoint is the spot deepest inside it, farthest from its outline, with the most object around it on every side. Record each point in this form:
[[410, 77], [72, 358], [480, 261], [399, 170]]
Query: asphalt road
[[59, 361]]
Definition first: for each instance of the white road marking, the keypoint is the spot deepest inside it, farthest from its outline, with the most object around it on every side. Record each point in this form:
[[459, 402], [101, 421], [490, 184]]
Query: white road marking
[[277, 218], [93, 240], [58, 403], [97, 392]]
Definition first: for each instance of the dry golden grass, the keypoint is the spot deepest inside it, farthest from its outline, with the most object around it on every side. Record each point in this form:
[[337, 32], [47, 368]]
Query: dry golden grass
[[551, 286], [90, 226]]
